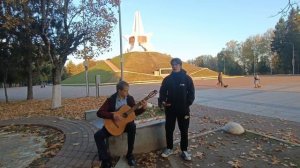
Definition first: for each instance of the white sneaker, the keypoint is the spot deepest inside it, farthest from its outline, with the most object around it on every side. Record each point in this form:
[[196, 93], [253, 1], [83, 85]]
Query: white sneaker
[[186, 156], [167, 152]]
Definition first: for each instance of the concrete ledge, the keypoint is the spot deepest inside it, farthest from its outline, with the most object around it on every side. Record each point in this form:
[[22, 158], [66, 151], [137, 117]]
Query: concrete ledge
[[150, 135], [90, 115]]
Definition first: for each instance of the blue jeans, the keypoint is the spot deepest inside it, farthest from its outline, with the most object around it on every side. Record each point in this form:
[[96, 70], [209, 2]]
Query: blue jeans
[[101, 135]]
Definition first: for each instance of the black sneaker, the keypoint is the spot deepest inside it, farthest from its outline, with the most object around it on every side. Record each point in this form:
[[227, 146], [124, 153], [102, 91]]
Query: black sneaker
[[106, 164], [130, 160], [186, 156]]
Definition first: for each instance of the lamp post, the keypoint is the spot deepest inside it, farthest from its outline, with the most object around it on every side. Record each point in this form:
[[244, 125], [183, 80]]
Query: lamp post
[[293, 60], [121, 47], [293, 56], [271, 65], [224, 63], [253, 63], [254, 49], [86, 67]]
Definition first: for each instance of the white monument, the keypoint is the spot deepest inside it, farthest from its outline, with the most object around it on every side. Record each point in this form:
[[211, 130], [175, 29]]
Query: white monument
[[138, 40]]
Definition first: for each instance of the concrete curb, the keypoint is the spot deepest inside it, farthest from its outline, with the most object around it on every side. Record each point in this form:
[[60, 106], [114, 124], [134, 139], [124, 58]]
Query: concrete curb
[[272, 137]]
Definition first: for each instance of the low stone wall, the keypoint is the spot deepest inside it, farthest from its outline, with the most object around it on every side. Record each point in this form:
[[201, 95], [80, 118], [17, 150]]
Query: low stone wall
[[150, 136]]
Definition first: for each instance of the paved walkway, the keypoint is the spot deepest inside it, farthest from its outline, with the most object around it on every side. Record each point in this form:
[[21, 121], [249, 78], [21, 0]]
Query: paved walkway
[[278, 97], [263, 110], [79, 149], [274, 101]]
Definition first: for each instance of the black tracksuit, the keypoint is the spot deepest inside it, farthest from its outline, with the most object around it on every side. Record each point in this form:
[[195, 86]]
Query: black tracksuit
[[178, 90]]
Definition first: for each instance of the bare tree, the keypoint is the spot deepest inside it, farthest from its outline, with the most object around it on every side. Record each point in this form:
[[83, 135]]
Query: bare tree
[[63, 31], [285, 11]]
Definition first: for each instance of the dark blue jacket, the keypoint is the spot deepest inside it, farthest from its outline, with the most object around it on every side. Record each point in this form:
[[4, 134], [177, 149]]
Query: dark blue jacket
[[178, 90]]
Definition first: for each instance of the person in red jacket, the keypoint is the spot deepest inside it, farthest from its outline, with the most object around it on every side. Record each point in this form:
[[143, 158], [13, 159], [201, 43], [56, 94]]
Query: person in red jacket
[[106, 111]]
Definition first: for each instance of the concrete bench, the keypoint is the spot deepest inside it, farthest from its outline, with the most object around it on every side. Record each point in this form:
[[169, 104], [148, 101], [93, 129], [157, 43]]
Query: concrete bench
[[150, 136]]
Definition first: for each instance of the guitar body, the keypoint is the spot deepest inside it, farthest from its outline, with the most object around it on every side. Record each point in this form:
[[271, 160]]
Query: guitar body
[[117, 128]]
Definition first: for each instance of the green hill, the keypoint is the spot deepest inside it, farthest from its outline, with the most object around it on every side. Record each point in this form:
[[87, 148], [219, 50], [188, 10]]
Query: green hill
[[138, 66], [101, 68], [148, 62]]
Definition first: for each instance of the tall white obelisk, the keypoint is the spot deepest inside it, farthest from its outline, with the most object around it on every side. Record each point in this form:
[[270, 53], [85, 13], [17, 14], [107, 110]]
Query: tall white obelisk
[[138, 40]]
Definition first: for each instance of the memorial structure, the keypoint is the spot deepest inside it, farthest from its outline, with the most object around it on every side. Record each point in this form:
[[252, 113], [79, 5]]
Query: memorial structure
[[138, 40]]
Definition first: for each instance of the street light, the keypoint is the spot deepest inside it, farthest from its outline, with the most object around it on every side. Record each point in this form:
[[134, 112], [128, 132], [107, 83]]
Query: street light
[[86, 53], [293, 57], [271, 66], [86, 67], [121, 47], [293, 60], [256, 53], [253, 64], [224, 63]]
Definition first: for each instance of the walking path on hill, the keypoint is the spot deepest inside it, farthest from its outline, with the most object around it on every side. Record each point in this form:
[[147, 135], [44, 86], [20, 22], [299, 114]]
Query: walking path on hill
[[112, 66], [116, 69]]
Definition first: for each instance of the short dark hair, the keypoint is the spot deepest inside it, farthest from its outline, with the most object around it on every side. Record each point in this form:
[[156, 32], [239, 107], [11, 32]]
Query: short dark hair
[[121, 85], [176, 61]]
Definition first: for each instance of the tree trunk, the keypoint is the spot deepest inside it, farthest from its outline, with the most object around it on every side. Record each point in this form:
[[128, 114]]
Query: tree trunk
[[29, 84], [5, 89], [56, 88], [29, 77]]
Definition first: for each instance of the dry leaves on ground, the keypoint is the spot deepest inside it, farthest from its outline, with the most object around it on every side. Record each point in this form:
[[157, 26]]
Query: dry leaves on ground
[[72, 108], [235, 163]]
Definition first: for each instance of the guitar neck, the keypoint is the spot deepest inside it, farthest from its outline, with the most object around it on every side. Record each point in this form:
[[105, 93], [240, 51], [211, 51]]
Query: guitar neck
[[140, 102], [137, 105]]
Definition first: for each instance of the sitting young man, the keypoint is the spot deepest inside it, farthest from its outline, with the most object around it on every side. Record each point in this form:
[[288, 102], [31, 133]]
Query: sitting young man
[[106, 111]]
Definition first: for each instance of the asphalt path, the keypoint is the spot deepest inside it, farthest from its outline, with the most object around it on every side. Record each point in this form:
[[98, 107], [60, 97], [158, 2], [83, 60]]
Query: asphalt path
[[274, 99]]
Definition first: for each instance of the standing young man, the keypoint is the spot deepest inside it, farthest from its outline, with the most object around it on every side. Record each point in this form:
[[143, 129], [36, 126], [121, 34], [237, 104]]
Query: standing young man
[[106, 111], [176, 94]]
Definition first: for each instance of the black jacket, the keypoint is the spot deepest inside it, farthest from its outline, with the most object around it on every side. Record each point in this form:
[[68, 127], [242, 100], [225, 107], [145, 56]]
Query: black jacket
[[178, 90]]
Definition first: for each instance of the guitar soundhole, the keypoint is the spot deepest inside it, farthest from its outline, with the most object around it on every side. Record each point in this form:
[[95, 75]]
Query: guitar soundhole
[[125, 115]]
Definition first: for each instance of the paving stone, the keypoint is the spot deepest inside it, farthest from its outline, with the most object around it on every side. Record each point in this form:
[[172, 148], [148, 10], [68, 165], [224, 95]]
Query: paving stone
[[76, 131]]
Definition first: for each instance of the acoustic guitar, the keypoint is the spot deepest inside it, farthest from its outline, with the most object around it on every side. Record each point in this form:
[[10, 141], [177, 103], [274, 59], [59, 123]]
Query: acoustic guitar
[[127, 114]]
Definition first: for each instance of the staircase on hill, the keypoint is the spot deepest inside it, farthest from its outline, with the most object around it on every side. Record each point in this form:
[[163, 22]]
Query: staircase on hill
[[139, 66], [112, 66]]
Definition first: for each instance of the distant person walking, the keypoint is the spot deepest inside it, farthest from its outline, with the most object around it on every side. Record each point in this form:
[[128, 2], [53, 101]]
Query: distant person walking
[[256, 81], [220, 80], [176, 94]]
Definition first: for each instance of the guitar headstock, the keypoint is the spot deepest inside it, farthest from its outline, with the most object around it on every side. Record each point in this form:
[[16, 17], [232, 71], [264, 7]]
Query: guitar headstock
[[151, 94]]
